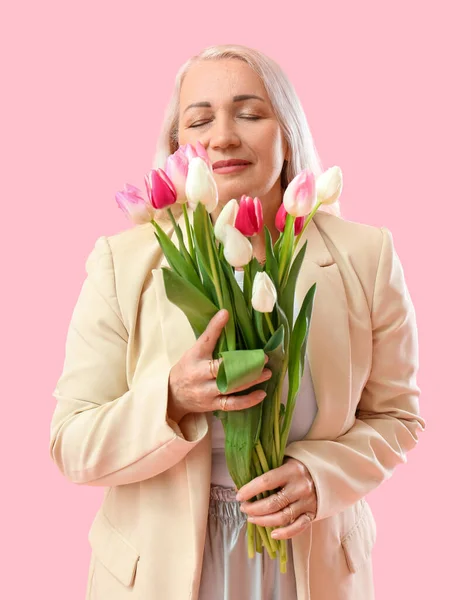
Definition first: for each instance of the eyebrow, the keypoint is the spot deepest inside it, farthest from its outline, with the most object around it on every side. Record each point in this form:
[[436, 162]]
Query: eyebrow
[[239, 98]]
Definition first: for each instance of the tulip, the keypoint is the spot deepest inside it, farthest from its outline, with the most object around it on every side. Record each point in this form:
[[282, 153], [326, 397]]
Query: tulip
[[197, 150], [329, 185], [249, 219], [160, 188], [300, 195], [238, 250], [227, 216], [134, 205], [200, 185], [176, 168], [263, 293], [280, 220]]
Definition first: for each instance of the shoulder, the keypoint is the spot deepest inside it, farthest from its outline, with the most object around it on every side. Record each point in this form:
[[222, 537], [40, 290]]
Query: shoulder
[[344, 237]]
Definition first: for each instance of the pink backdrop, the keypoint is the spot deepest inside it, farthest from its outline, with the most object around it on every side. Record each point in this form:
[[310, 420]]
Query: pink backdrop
[[84, 89]]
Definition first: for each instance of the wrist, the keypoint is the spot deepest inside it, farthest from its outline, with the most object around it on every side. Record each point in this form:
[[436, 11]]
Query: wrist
[[175, 411]]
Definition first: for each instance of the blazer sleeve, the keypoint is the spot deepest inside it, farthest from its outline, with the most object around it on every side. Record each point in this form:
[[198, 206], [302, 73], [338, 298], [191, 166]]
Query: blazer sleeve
[[387, 419], [103, 432]]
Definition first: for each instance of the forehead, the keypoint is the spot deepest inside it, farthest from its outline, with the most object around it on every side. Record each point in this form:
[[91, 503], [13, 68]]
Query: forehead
[[217, 81]]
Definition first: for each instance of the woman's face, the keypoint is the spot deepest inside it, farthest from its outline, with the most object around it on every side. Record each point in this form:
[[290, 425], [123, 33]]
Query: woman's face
[[242, 128]]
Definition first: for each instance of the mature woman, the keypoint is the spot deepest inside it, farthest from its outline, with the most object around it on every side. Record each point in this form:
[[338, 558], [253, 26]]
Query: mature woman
[[135, 399]]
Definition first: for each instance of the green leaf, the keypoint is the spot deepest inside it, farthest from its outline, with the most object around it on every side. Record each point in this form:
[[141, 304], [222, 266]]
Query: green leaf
[[227, 302], [198, 309], [274, 349], [288, 292], [271, 266], [239, 367], [296, 359], [199, 217], [176, 260], [242, 314]]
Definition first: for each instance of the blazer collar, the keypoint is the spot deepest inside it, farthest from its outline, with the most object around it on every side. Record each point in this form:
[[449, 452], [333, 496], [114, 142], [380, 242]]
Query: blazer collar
[[328, 347]]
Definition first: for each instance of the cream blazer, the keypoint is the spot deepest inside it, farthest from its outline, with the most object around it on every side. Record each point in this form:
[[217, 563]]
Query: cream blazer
[[110, 427]]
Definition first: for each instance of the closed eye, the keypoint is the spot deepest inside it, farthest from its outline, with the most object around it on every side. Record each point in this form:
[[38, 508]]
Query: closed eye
[[249, 117]]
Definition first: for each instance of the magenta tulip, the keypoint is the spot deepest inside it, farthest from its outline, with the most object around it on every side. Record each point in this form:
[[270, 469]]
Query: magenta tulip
[[134, 205], [280, 220], [160, 188], [249, 220]]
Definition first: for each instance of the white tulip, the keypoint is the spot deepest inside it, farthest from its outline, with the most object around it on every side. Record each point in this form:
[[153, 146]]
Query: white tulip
[[227, 216], [238, 250], [263, 293], [200, 185], [329, 185]]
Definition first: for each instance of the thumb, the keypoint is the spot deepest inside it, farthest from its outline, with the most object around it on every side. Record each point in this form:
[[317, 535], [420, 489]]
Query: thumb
[[208, 339]]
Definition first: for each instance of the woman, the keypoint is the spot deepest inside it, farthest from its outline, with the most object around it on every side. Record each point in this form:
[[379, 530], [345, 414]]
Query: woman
[[135, 399]]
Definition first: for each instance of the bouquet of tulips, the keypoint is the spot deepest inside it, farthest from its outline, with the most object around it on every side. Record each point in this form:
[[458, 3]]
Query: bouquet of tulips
[[200, 280]]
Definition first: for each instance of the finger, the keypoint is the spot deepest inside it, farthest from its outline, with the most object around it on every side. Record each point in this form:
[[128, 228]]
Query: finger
[[289, 531], [211, 372], [274, 503], [268, 481], [281, 518], [207, 341], [239, 402]]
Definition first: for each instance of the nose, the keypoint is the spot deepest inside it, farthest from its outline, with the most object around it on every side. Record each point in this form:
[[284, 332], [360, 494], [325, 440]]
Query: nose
[[222, 133]]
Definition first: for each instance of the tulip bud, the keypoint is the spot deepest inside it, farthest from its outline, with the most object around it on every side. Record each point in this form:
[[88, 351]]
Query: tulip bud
[[238, 250], [280, 220], [329, 185], [227, 216], [263, 293], [200, 185], [197, 150], [300, 196], [249, 219], [176, 168], [160, 189], [134, 205]]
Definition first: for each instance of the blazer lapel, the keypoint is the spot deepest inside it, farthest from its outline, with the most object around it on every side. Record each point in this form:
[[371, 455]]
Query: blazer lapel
[[328, 347]]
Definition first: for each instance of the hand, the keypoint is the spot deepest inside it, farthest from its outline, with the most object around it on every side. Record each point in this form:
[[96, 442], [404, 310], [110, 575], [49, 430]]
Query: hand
[[298, 491], [192, 386]]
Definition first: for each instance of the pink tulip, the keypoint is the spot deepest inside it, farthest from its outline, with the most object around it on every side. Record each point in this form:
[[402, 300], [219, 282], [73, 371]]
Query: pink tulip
[[249, 220], [134, 205], [300, 195], [280, 220], [176, 166], [197, 150], [160, 188]]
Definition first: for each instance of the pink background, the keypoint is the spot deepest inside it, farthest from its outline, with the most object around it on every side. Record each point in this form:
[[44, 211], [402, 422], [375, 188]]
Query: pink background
[[84, 89]]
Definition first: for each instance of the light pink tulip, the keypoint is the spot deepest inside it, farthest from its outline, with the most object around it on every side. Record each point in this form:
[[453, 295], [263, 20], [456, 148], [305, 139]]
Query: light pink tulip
[[249, 220], [134, 205], [160, 189], [176, 167], [300, 195], [280, 220]]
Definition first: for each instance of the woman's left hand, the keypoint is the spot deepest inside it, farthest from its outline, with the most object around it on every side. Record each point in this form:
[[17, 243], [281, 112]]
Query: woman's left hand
[[273, 511]]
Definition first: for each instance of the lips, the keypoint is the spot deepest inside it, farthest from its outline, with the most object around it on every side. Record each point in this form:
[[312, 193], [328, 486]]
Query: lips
[[230, 163]]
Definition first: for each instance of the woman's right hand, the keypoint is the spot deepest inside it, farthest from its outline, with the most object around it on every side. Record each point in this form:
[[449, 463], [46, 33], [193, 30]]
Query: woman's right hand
[[192, 387]]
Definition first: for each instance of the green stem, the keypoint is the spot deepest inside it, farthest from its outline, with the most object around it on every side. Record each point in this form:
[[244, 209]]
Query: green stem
[[251, 539], [306, 223], [270, 324], [274, 544], [189, 234], [214, 271]]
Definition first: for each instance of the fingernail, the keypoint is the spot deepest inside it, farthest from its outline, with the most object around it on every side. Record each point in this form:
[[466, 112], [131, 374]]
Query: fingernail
[[274, 534], [239, 496]]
